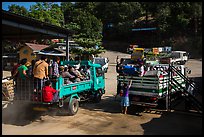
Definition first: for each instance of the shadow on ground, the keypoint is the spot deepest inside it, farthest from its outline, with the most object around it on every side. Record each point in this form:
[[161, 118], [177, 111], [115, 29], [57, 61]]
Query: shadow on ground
[[21, 113], [111, 105], [174, 123]]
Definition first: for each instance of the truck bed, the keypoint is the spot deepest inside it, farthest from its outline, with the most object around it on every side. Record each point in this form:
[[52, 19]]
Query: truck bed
[[148, 86], [72, 88]]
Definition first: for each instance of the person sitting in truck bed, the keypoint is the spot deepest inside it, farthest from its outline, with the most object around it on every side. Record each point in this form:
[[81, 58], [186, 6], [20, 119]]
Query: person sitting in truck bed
[[82, 71], [79, 74], [85, 72], [50, 94], [68, 77], [88, 72], [74, 73]]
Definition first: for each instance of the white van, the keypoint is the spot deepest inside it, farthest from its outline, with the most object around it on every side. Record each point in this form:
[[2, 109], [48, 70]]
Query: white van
[[102, 61]]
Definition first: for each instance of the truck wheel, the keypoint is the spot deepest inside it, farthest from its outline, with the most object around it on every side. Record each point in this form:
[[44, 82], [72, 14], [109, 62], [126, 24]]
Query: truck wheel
[[183, 63], [97, 98], [73, 107], [106, 70]]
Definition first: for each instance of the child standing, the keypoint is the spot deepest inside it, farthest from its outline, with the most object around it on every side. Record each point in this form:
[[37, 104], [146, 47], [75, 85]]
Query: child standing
[[125, 97]]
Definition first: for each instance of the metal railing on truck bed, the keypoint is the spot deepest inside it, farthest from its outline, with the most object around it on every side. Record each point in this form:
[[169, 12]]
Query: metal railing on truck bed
[[149, 86], [153, 87], [25, 89]]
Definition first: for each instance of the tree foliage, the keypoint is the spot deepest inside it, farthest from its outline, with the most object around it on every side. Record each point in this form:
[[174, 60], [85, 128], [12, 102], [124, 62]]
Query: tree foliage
[[117, 17], [97, 21], [87, 26], [21, 10], [47, 12]]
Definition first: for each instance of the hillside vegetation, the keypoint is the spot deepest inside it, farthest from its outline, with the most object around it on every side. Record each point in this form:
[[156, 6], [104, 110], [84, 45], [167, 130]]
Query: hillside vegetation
[[177, 24]]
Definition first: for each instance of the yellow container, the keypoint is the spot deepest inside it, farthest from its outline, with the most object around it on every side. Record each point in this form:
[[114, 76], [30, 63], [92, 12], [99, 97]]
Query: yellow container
[[138, 53]]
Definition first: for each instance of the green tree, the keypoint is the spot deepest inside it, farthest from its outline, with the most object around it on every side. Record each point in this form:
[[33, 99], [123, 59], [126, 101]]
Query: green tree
[[88, 28], [47, 12], [21, 10], [117, 18]]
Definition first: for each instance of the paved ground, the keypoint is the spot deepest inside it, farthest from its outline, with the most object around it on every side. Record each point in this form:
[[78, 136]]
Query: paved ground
[[102, 118]]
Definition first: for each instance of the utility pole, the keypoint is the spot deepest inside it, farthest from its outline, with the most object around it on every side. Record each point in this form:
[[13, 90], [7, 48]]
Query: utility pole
[[67, 48]]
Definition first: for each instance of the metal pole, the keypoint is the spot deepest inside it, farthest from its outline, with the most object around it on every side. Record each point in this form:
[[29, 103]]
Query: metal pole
[[167, 94], [171, 73], [67, 48]]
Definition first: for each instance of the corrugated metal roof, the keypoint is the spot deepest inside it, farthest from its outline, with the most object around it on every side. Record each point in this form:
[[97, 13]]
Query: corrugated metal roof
[[36, 47], [51, 53], [18, 27]]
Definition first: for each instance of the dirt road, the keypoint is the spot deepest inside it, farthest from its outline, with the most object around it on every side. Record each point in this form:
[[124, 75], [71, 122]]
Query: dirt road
[[102, 118]]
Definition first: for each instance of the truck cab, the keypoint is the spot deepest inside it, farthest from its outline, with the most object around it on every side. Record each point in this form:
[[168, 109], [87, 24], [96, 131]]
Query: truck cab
[[102, 61], [180, 57]]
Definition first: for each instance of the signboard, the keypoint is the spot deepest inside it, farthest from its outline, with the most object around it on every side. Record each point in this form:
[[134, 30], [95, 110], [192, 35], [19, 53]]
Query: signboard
[[155, 50]]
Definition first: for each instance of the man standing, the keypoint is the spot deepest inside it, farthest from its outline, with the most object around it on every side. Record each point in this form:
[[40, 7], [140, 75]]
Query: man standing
[[55, 67], [40, 71]]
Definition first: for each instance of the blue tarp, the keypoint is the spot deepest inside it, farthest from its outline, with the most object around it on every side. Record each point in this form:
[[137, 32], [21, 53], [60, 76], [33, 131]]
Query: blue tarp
[[129, 70]]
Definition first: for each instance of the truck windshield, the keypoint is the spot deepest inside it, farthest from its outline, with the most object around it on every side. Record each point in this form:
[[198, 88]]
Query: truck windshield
[[100, 61], [175, 55], [99, 72], [128, 61]]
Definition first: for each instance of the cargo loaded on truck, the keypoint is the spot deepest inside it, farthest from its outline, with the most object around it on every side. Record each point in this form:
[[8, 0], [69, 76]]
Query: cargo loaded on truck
[[70, 94], [151, 88]]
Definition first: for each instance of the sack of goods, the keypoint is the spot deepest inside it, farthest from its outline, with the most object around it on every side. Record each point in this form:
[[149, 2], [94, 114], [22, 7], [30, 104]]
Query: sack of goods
[[7, 90]]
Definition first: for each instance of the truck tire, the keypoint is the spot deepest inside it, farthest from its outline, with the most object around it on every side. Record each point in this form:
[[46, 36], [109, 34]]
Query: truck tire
[[183, 62], [97, 97], [73, 107], [106, 70]]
